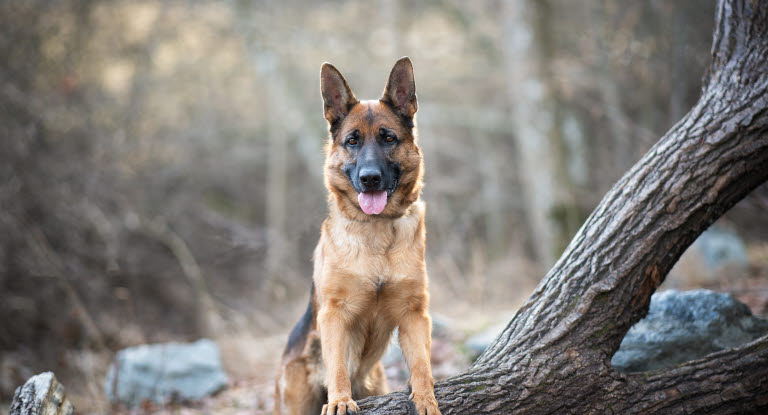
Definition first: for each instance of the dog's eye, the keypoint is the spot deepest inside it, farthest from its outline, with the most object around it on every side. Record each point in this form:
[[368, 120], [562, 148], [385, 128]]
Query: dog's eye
[[389, 135], [352, 138]]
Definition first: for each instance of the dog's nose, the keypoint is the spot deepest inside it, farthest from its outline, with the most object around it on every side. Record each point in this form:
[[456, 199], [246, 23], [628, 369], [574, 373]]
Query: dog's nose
[[370, 178]]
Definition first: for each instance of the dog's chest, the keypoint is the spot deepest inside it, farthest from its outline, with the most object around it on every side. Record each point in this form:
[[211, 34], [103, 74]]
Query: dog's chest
[[382, 251]]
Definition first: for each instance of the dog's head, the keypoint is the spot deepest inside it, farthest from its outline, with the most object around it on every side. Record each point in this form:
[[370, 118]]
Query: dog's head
[[373, 165]]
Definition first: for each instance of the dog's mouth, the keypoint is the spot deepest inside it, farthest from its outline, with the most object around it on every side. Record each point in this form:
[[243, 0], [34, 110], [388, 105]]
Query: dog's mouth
[[373, 202], [397, 172]]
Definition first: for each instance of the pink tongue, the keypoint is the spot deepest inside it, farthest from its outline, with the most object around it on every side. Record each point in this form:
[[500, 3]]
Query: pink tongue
[[372, 203]]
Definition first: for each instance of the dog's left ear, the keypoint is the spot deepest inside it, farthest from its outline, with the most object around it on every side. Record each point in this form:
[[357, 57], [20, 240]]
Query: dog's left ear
[[401, 89]]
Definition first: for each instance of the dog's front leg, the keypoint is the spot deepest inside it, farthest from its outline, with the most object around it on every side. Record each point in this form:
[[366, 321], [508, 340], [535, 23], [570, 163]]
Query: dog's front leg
[[333, 321], [416, 343]]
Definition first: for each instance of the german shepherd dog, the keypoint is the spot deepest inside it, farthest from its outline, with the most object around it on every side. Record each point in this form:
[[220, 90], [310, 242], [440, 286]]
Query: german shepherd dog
[[369, 273]]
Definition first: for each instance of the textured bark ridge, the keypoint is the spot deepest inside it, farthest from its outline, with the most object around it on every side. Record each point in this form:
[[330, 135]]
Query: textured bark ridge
[[554, 356]]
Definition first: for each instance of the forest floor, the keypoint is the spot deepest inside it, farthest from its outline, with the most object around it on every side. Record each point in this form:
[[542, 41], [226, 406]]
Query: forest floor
[[252, 364], [251, 359]]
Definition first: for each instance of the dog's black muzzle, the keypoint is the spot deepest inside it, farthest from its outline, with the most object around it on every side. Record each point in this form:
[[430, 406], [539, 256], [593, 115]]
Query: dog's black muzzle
[[372, 171]]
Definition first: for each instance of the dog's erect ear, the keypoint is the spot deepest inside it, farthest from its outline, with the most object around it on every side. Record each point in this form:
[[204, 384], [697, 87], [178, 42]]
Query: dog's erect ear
[[401, 89], [337, 97]]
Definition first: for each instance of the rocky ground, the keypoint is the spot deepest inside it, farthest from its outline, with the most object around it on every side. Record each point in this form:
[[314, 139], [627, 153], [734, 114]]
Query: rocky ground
[[460, 332], [251, 386], [251, 391], [458, 338]]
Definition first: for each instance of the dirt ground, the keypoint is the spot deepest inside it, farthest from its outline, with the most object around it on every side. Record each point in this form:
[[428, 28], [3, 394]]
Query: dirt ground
[[251, 359], [251, 362]]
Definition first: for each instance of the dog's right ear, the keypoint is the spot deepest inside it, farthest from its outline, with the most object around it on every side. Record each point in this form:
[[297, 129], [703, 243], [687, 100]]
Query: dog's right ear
[[337, 96], [400, 91]]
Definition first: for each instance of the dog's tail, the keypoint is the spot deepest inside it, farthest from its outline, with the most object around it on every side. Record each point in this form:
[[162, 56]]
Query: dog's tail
[[298, 337]]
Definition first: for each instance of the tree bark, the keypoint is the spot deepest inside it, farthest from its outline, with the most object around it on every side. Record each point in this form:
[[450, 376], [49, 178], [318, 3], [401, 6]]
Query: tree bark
[[554, 356]]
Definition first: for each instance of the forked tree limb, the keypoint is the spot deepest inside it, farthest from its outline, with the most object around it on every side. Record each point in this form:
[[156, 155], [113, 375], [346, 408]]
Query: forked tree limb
[[554, 356]]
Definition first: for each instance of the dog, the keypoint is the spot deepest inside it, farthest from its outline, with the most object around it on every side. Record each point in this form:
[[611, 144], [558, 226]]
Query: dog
[[369, 272]]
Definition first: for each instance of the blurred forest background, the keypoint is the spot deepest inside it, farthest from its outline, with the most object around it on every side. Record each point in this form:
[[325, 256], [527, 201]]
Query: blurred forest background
[[161, 162]]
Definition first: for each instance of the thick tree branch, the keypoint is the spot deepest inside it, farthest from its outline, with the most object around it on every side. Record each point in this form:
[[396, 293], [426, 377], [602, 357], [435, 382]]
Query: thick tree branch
[[705, 164], [554, 357], [732, 381]]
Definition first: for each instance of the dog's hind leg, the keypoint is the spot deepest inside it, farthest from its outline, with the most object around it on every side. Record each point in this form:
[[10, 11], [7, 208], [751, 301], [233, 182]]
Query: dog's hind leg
[[299, 386], [295, 393], [376, 383]]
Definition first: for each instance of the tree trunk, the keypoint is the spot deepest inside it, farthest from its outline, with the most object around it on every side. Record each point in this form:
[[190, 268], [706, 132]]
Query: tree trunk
[[554, 356]]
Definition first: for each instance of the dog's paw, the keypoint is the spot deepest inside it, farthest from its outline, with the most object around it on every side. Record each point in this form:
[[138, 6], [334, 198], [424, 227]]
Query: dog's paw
[[343, 406], [425, 404]]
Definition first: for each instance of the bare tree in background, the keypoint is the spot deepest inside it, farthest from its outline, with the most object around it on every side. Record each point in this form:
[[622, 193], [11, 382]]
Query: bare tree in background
[[554, 356], [546, 181]]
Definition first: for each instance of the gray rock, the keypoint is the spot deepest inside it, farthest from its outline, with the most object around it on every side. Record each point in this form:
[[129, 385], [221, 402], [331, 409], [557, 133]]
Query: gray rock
[[720, 247], [164, 373], [477, 343], [715, 253], [41, 395], [684, 326], [442, 326]]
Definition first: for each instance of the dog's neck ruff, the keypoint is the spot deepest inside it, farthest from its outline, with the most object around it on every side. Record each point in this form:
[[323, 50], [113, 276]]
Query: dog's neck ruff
[[378, 236]]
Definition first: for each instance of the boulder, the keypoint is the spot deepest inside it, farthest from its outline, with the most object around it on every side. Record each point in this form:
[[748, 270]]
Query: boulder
[[41, 395], [478, 342], [720, 247], [716, 253], [684, 326], [163, 373]]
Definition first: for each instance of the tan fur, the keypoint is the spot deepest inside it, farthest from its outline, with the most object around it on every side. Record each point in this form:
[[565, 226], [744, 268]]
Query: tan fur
[[369, 277]]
